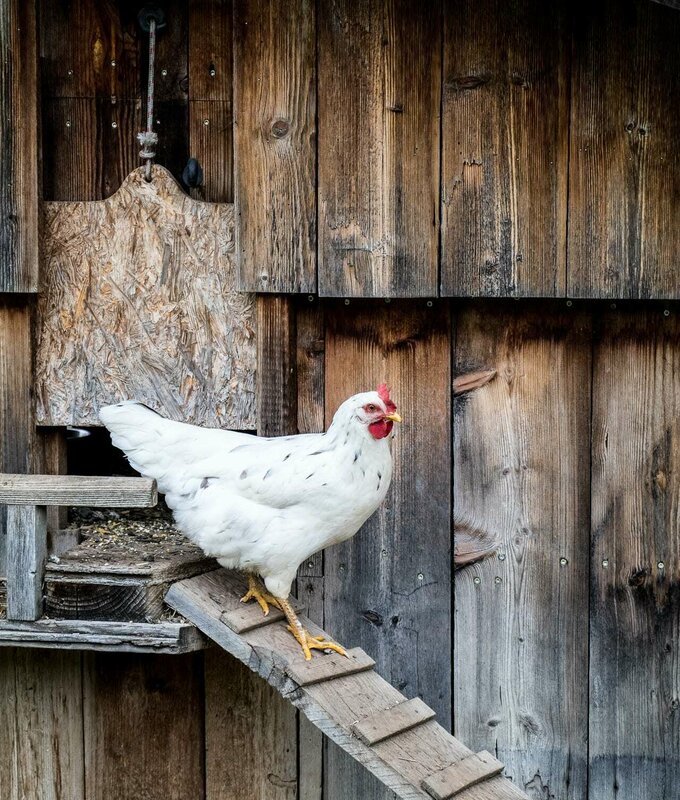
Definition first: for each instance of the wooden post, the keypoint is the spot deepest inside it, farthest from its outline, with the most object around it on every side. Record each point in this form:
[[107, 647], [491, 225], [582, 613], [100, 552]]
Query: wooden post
[[26, 550]]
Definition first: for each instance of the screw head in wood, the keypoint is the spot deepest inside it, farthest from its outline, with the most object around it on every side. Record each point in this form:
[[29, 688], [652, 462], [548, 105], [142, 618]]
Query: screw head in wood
[[497, 579], [206, 121], [114, 124], [113, 62], [346, 301], [477, 580], [429, 304], [661, 565], [605, 562], [569, 304], [212, 72], [564, 561], [501, 556], [164, 73], [310, 297], [666, 312], [70, 73], [420, 576], [68, 123]]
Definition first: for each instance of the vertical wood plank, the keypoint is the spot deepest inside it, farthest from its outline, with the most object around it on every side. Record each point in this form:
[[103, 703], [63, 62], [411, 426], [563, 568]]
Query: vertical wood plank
[[379, 123], [310, 335], [521, 471], [41, 725], [143, 727], [250, 735], [388, 589], [49, 718], [19, 126], [17, 432], [276, 375], [26, 554], [504, 148], [53, 461], [624, 215], [275, 145], [635, 570]]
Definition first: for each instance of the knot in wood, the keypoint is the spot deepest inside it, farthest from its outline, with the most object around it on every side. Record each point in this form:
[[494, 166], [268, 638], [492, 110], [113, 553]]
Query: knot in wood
[[280, 128]]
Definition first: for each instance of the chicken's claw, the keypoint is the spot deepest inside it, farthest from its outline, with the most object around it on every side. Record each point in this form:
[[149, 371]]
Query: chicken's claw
[[264, 599], [309, 643]]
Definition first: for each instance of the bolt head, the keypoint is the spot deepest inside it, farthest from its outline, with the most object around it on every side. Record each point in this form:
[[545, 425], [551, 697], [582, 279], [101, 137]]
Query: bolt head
[[564, 561], [477, 580]]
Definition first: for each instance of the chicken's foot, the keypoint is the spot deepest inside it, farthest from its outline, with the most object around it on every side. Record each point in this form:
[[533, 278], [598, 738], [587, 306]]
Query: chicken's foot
[[258, 592], [303, 636]]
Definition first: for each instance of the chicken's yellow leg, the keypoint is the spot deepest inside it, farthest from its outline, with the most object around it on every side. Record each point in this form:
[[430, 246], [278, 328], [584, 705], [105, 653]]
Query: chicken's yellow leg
[[304, 637], [258, 593]]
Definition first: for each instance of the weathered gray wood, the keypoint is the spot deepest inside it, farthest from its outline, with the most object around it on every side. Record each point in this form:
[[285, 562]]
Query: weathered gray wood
[[624, 217], [379, 134], [401, 762], [126, 637], [19, 147], [393, 721], [333, 666], [53, 451], [275, 144], [521, 466], [138, 301], [504, 148], [392, 615], [17, 424], [41, 725], [249, 616], [26, 553], [450, 781], [634, 738], [143, 726], [78, 490]]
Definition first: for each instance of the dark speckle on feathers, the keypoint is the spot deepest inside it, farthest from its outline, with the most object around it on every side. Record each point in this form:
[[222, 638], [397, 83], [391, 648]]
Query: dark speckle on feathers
[[287, 457], [244, 474], [309, 476], [238, 447], [267, 474]]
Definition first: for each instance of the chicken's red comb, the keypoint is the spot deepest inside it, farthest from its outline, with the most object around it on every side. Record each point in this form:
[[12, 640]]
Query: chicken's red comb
[[384, 394]]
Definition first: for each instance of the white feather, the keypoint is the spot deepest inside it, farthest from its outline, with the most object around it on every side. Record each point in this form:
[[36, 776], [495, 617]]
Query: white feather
[[262, 505]]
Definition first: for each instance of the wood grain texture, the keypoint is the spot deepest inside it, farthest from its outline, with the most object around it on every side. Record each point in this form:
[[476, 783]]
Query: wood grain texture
[[25, 567], [143, 727], [53, 457], [384, 587], [117, 637], [275, 145], [17, 431], [211, 142], [393, 721], [521, 469], [78, 490], [210, 50], [276, 373], [139, 301], [635, 570], [504, 149], [379, 133], [19, 148], [332, 705], [451, 781], [89, 146], [46, 709], [624, 208]]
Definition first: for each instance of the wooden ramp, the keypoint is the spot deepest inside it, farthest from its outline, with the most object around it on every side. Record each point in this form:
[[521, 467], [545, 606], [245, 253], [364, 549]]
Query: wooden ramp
[[397, 739]]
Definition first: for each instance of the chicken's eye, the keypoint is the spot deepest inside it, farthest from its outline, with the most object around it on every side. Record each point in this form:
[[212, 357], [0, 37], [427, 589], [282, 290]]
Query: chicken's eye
[[370, 408]]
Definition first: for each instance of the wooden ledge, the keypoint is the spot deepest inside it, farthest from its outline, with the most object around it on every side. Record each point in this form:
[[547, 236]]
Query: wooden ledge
[[330, 666], [249, 616], [125, 637], [473, 769], [77, 490]]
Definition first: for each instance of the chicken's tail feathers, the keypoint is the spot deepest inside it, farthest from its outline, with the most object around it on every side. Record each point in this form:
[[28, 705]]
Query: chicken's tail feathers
[[142, 434]]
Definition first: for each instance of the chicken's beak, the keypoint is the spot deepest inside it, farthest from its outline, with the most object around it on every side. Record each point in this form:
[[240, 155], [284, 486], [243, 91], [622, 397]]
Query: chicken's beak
[[393, 417]]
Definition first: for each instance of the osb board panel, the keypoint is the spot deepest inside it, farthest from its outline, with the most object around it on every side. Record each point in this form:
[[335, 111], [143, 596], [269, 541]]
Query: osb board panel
[[137, 301]]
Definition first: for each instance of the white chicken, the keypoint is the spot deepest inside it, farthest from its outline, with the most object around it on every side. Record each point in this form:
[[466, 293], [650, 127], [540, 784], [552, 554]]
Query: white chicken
[[264, 505]]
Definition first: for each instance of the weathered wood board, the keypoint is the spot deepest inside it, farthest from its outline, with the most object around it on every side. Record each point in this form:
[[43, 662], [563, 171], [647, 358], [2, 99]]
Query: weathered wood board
[[379, 129], [138, 301], [521, 470], [504, 148], [624, 181], [385, 587], [275, 144], [142, 718], [634, 736]]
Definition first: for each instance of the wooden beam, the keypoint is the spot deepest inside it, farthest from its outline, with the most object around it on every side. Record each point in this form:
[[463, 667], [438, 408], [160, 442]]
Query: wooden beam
[[78, 490], [26, 553], [469, 771], [19, 161], [402, 717], [126, 637]]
